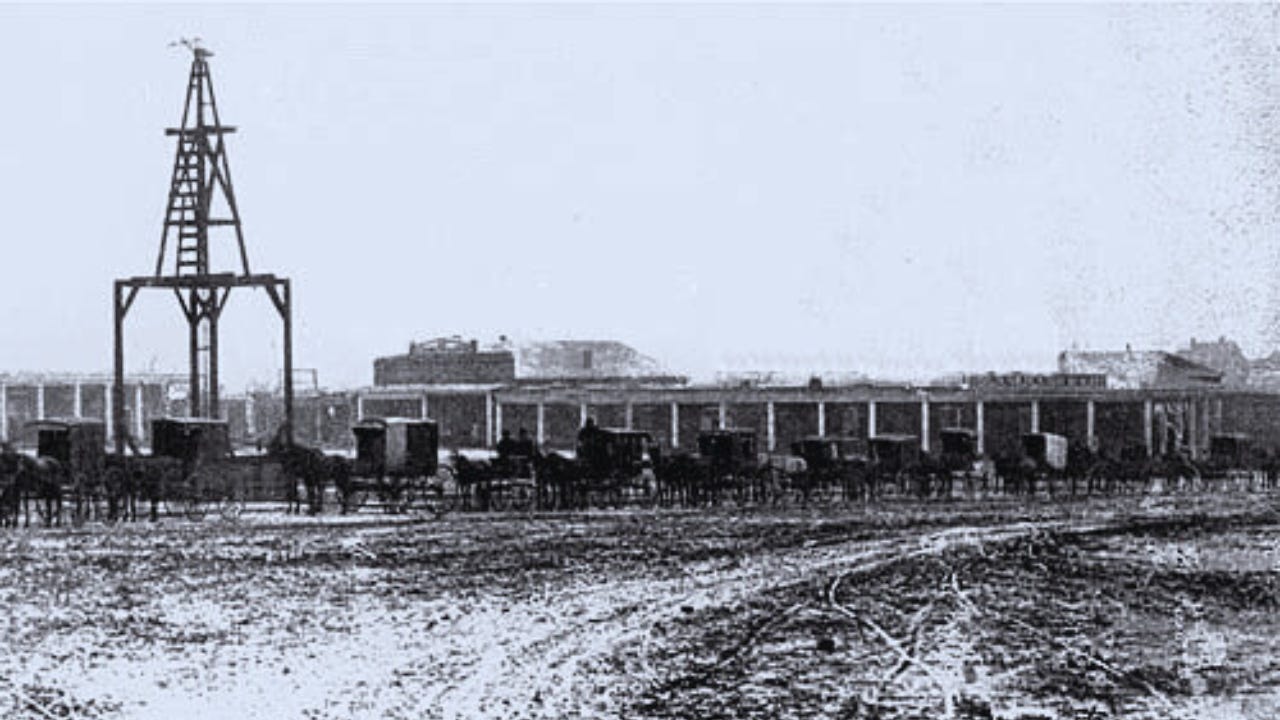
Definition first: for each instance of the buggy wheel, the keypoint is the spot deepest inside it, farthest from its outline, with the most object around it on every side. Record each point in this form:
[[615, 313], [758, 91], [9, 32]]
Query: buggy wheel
[[117, 494], [193, 508], [81, 500], [354, 500], [521, 498], [230, 507], [193, 503], [500, 498], [437, 502], [405, 500], [44, 513]]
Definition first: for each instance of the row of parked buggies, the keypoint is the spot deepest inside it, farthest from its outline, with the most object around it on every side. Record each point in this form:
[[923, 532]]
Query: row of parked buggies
[[617, 467], [191, 471]]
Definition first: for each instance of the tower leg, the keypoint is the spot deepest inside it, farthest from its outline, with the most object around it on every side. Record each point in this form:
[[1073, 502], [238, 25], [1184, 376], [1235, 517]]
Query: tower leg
[[193, 349], [117, 386], [288, 360], [213, 310]]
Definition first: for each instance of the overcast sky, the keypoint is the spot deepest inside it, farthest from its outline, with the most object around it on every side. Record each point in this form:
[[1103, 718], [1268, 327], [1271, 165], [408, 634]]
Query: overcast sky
[[898, 190]]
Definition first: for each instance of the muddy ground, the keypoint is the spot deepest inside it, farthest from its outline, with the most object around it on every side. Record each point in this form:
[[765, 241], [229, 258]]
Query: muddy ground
[[1133, 607]]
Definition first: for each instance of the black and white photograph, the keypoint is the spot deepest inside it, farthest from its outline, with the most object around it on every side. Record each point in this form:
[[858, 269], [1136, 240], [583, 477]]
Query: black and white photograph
[[648, 361]]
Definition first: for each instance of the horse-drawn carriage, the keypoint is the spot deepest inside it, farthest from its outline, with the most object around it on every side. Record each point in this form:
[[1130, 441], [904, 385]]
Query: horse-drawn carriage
[[962, 462], [616, 467], [72, 469], [189, 471], [398, 462], [728, 461], [896, 461], [1043, 463], [197, 470], [1232, 462], [829, 463]]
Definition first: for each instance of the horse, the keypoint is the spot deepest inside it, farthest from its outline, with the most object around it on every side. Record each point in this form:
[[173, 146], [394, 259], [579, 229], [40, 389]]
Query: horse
[[10, 489], [300, 465], [558, 480], [37, 479]]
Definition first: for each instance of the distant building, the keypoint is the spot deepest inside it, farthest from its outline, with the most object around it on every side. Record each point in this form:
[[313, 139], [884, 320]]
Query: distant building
[[445, 361], [1222, 355], [1036, 380], [1130, 369], [1264, 373], [585, 360]]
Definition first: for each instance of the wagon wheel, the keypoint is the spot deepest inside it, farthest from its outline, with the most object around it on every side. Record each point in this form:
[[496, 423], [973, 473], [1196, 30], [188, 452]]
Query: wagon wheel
[[193, 504], [230, 506], [354, 499], [902, 483], [500, 496], [81, 500], [117, 494], [647, 492], [520, 497], [449, 497]]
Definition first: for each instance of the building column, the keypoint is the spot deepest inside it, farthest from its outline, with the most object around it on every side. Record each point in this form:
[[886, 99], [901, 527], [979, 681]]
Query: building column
[[771, 428], [497, 421], [1208, 424], [1148, 423], [871, 418], [675, 425], [582, 414], [1035, 416], [1091, 424], [488, 419], [4, 414], [76, 404], [39, 401], [924, 425], [542, 424], [980, 426], [139, 422], [822, 419], [422, 406], [724, 413], [250, 426], [109, 415], [1192, 428], [630, 415], [359, 407]]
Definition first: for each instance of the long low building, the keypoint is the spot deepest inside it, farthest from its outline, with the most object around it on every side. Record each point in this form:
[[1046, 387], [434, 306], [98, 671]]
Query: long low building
[[1157, 419], [27, 396]]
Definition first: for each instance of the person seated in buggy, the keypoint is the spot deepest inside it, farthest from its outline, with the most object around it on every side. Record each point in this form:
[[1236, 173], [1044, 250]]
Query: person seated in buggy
[[591, 451], [523, 453], [505, 462]]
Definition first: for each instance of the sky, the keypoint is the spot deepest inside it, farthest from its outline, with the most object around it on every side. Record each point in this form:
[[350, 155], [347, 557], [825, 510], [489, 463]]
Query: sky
[[898, 190]]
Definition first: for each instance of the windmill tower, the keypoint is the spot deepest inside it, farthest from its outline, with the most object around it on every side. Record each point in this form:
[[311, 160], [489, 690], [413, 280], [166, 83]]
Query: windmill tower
[[201, 225]]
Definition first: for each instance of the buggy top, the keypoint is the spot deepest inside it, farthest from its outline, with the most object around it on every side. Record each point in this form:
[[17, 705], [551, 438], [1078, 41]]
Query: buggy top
[[1047, 449], [190, 439], [959, 441], [895, 450], [1228, 449], [728, 444], [78, 443], [819, 450], [406, 447]]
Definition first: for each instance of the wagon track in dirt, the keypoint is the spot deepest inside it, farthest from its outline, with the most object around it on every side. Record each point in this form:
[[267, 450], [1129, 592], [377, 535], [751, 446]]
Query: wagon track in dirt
[[488, 617]]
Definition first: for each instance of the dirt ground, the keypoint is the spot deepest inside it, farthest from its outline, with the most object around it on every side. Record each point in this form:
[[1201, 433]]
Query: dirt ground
[[1133, 607]]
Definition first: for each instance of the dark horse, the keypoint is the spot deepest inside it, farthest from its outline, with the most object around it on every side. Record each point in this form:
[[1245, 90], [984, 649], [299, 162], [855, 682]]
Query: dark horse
[[24, 479], [131, 481], [300, 465]]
